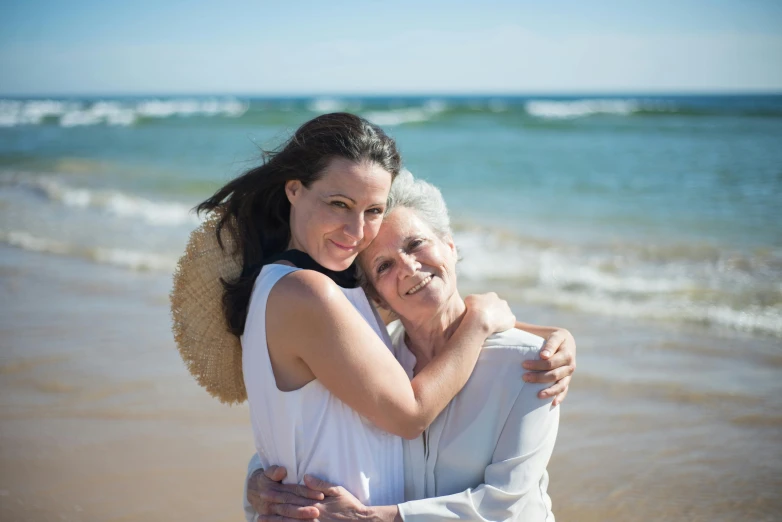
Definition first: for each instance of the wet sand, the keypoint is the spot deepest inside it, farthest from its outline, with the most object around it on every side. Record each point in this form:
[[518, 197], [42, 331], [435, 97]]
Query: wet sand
[[100, 421]]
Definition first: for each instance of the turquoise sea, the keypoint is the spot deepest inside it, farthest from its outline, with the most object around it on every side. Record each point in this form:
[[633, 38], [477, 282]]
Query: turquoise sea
[[660, 207]]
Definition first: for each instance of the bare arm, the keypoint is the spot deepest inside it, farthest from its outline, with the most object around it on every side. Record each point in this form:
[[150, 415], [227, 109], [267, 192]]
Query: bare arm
[[338, 342]]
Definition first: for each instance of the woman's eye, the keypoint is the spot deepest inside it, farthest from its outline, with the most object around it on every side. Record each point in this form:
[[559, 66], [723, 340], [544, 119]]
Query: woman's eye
[[416, 243], [376, 211], [339, 204], [382, 267]]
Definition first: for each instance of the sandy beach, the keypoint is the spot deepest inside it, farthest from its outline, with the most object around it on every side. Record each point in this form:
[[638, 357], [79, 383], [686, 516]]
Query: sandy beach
[[100, 421]]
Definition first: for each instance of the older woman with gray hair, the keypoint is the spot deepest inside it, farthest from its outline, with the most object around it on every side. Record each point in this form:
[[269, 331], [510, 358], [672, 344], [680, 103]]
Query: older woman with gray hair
[[485, 456]]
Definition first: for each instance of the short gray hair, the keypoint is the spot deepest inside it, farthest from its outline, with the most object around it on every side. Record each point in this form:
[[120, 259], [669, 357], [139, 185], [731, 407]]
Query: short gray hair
[[423, 198]]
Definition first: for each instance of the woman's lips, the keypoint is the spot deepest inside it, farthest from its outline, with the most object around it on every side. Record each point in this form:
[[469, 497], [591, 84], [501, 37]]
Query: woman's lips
[[420, 285], [346, 248]]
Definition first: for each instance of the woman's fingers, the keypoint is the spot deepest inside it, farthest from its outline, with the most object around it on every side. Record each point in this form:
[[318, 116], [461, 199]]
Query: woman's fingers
[[305, 492], [287, 496], [275, 473], [495, 312], [295, 512], [275, 518], [557, 364], [553, 344], [561, 397], [327, 488], [558, 388], [270, 498], [554, 375], [556, 361]]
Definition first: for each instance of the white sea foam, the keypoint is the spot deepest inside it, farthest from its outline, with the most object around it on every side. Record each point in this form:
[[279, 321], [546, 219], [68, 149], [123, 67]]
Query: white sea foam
[[550, 109], [554, 268], [324, 105], [124, 113], [34, 244], [767, 320], [157, 213], [557, 269], [133, 259], [401, 116], [480, 254], [33, 112], [621, 285], [130, 259], [191, 107]]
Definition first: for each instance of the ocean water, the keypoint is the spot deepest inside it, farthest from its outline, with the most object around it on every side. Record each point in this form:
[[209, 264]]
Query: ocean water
[[658, 208]]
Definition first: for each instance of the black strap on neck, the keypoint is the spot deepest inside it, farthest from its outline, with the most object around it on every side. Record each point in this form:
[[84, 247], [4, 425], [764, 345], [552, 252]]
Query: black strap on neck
[[345, 279]]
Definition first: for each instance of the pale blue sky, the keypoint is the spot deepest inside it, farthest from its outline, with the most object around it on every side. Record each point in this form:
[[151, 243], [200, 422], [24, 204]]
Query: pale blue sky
[[379, 47]]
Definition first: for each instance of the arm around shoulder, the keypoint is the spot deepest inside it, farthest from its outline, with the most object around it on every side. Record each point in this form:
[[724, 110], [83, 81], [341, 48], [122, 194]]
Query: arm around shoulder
[[350, 360]]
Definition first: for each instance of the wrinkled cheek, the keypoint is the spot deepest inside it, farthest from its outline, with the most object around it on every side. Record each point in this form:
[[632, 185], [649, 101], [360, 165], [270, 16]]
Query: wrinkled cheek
[[389, 296]]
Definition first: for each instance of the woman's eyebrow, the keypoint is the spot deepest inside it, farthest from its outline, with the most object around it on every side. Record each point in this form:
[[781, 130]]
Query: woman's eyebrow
[[337, 194], [383, 257]]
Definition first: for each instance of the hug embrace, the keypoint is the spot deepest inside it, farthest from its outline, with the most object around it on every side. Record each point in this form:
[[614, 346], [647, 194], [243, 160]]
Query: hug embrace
[[322, 288]]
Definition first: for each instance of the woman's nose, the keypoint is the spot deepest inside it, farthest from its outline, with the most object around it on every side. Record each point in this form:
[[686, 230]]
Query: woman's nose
[[355, 226], [409, 265]]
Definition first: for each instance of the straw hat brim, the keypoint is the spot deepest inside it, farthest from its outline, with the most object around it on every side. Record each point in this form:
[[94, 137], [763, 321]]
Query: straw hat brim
[[213, 354]]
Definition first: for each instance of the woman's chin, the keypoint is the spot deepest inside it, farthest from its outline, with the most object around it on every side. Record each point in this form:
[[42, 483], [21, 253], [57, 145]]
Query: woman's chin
[[337, 264], [337, 258]]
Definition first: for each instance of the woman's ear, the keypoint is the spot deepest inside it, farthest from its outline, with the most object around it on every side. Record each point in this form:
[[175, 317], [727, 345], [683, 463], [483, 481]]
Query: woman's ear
[[385, 313], [449, 241], [382, 307], [379, 303], [293, 190]]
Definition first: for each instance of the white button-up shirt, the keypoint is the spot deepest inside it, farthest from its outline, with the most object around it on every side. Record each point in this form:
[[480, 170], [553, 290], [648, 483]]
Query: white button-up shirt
[[485, 456]]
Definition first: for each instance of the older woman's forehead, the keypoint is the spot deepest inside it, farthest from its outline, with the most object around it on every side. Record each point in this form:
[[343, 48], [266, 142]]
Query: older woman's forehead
[[388, 238], [400, 224], [392, 233]]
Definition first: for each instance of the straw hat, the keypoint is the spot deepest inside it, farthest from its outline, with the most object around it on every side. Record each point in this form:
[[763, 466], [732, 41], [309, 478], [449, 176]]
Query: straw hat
[[211, 352]]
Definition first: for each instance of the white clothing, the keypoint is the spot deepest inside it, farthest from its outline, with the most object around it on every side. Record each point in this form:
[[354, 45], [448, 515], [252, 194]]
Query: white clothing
[[309, 430], [485, 456]]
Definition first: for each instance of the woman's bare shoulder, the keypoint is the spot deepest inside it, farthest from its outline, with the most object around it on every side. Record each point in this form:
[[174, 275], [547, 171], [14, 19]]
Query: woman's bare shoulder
[[304, 295]]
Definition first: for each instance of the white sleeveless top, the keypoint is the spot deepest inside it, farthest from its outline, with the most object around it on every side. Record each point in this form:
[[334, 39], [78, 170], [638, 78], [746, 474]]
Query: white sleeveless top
[[309, 430]]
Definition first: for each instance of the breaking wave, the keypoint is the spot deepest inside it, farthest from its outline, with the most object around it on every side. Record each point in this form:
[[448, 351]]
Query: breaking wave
[[157, 213], [548, 109], [707, 286], [113, 112], [401, 116], [130, 259]]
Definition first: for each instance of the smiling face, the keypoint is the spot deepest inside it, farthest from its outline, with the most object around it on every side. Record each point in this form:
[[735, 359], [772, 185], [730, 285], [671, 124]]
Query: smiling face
[[412, 270], [338, 215]]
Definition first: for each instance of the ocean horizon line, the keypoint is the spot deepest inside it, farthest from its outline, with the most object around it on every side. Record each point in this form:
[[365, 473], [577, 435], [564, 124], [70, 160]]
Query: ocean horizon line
[[404, 95]]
